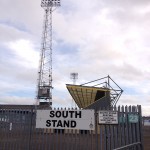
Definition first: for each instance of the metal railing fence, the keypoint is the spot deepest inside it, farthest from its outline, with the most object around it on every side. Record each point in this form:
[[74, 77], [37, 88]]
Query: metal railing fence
[[18, 132]]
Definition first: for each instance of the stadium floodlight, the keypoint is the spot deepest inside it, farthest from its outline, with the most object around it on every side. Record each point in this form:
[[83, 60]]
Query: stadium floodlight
[[50, 3], [44, 88], [74, 76]]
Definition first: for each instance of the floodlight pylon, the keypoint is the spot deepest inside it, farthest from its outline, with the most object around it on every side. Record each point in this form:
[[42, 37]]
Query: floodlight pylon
[[44, 87], [74, 77]]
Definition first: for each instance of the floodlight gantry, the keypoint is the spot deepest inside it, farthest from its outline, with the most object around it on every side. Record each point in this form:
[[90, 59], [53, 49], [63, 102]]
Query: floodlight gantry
[[44, 88]]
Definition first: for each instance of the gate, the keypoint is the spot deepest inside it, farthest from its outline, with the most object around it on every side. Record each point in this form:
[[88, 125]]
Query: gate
[[18, 132]]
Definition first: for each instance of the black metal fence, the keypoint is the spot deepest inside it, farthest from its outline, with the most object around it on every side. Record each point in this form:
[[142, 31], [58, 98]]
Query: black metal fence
[[18, 132]]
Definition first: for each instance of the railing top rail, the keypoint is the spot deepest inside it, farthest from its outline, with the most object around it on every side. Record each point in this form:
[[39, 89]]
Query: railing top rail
[[127, 146]]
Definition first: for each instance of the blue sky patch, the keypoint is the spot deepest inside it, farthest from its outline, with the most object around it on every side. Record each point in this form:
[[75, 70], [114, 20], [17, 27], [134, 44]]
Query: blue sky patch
[[16, 25]]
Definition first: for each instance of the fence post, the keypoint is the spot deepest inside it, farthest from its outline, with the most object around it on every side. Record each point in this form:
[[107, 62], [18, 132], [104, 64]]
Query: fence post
[[96, 126], [30, 131], [141, 127]]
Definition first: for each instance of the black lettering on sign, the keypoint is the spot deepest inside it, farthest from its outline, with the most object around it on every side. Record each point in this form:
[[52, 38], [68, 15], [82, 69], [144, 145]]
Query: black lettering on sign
[[65, 114], [73, 124], [78, 114], [54, 121], [51, 113], [59, 124], [48, 123], [58, 114], [71, 114], [66, 123]]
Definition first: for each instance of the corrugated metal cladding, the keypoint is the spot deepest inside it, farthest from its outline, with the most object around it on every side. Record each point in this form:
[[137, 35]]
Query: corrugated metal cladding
[[85, 96]]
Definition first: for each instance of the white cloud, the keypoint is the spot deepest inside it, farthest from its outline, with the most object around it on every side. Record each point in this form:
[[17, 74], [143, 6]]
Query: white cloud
[[16, 100], [25, 53]]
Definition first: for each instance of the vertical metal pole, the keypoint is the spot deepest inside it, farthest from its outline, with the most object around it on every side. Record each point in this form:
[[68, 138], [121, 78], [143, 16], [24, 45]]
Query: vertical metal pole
[[140, 125], [96, 134], [130, 127], [123, 127], [108, 81], [101, 137], [50, 68], [127, 125], [30, 131]]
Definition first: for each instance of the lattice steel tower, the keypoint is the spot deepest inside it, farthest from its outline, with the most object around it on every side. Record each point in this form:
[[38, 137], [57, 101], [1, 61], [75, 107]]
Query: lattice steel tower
[[74, 77], [44, 91]]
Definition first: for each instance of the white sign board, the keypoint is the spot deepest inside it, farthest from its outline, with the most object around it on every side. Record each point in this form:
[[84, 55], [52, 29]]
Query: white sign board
[[65, 119], [108, 117]]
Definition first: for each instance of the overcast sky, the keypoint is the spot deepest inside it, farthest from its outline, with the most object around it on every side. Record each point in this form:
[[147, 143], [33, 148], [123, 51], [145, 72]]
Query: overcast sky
[[95, 38]]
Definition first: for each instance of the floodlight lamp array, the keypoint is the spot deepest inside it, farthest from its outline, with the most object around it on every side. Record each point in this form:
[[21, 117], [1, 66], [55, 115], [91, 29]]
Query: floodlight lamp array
[[50, 3], [74, 75]]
